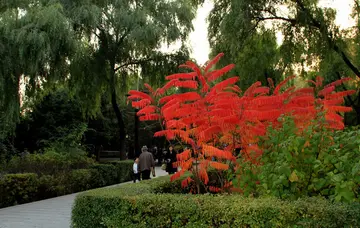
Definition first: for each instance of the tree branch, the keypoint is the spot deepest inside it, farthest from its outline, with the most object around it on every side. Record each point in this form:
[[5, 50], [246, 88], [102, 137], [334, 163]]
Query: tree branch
[[122, 38], [291, 20], [324, 31], [138, 61]]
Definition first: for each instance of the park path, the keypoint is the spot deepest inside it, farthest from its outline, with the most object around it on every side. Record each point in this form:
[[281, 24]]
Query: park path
[[50, 213]]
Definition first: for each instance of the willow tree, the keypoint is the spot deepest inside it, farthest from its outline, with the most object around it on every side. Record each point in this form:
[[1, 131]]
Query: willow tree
[[121, 37], [257, 57], [309, 30], [311, 38], [35, 43]]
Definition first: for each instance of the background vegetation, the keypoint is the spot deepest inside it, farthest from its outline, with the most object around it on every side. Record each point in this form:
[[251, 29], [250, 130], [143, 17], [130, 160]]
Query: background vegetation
[[66, 68]]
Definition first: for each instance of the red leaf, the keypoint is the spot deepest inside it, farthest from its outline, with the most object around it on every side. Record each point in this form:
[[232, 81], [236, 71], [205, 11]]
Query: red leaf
[[140, 95], [326, 91], [213, 62], [219, 166], [149, 87], [218, 73], [281, 84], [338, 82], [185, 76]]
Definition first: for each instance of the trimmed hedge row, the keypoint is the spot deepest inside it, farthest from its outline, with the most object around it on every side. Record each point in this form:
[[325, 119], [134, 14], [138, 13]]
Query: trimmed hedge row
[[28, 187], [47, 163], [140, 205]]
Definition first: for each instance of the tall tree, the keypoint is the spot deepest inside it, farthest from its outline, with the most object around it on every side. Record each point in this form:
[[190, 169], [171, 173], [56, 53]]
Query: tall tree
[[35, 43], [312, 42], [257, 57], [54, 119], [308, 29], [121, 36]]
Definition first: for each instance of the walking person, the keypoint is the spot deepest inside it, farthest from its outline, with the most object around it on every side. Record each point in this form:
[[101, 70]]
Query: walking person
[[146, 164], [136, 173]]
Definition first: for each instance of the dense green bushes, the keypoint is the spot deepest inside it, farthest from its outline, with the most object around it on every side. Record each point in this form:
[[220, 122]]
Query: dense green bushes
[[26, 187], [111, 173], [48, 163], [138, 205], [18, 188], [318, 162]]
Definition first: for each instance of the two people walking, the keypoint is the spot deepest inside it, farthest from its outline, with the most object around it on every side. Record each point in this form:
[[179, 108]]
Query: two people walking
[[144, 165]]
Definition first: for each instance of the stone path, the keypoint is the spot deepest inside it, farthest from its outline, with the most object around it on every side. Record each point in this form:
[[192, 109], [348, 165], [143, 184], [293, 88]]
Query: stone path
[[50, 213]]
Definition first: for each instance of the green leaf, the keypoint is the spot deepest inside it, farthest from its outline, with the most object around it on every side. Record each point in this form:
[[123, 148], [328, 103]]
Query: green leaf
[[293, 177]]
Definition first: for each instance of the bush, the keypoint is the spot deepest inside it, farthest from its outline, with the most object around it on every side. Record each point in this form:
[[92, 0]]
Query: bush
[[48, 187], [216, 179], [80, 180], [28, 187], [18, 188], [137, 205], [48, 163], [103, 175], [124, 170], [317, 162]]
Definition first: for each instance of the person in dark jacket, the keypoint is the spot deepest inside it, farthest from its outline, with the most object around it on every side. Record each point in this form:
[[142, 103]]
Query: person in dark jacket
[[146, 163], [170, 159]]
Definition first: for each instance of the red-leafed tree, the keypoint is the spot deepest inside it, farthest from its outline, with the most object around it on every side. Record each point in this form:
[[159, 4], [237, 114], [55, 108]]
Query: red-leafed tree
[[215, 117]]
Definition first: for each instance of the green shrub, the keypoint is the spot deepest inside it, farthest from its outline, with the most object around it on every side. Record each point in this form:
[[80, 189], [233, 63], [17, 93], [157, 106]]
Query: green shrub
[[28, 187], [124, 170], [316, 163], [136, 205], [103, 175], [48, 163], [216, 179], [48, 187], [18, 188], [80, 180], [65, 183]]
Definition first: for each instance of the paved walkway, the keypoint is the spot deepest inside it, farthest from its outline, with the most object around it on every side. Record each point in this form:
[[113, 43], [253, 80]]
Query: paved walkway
[[50, 213]]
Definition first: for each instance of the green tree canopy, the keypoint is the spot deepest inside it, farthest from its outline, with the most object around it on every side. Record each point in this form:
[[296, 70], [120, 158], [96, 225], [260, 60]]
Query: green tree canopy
[[36, 40], [96, 47], [312, 42], [55, 119], [122, 38], [309, 30]]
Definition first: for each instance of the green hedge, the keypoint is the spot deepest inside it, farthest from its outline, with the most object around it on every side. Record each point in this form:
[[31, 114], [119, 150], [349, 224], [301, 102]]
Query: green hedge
[[18, 188], [48, 163], [138, 205], [28, 187], [125, 168]]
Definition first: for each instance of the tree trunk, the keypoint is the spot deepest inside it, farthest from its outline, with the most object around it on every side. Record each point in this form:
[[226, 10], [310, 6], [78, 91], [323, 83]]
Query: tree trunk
[[346, 60], [329, 38], [121, 125]]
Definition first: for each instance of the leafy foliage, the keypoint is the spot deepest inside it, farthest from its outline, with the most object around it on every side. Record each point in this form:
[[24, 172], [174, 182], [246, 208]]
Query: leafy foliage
[[139, 206], [309, 31], [18, 188], [47, 163], [55, 121], [317, 162], [122, 39], [214, 117], [274, 38], [35, 43]]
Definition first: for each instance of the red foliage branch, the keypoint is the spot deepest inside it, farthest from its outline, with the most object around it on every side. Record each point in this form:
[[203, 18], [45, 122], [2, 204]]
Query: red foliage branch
[[216, 118]]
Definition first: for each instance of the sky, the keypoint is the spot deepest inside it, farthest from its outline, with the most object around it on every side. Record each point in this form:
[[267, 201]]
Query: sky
[[199, 41]]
